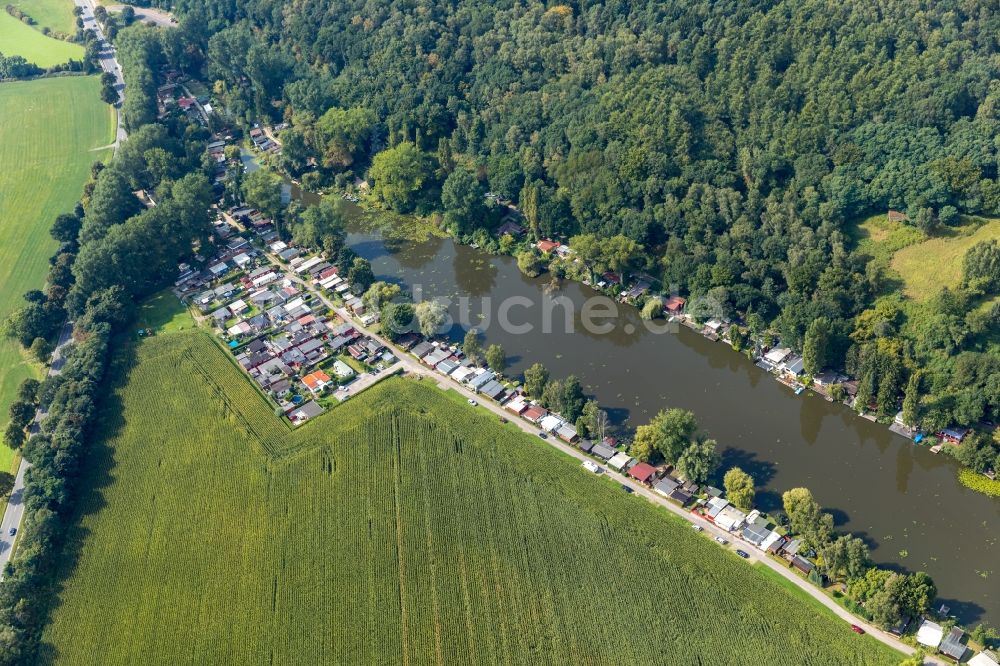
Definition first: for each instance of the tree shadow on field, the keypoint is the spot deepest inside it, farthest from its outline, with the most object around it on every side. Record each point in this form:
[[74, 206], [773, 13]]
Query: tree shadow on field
[[95, 474]]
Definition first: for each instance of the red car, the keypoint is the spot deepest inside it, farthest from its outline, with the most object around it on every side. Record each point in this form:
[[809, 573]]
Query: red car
[[856, 629]]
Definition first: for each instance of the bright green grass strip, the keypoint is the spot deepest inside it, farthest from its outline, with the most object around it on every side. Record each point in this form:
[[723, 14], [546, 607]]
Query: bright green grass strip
[[406, 528], [48, 131], [55, 15], [19, 38]]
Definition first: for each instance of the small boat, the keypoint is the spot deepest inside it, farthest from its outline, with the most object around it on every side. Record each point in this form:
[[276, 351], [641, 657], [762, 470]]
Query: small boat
[[799, 390]]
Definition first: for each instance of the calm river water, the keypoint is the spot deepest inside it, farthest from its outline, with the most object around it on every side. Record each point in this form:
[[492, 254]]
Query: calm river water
[[903, 500]]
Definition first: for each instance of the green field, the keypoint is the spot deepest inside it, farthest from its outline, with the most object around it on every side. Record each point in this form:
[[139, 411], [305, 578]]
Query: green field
[[47, 136], [19, 38], [55, 15], [401, 527], [928, 266]]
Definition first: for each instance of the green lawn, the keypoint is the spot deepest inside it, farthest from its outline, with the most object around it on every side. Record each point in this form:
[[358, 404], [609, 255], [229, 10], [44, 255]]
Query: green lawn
[[400, 527], [19, 38], [937, 262], [48, 131], [164, 313], [56, 15]]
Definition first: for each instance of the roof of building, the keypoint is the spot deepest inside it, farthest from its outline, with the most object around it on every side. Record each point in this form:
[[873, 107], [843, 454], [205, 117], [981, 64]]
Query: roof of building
[[666, 485], [983, 659], [492, 389], [316, 379], [602, 451], [422, 349], [550, 422], [930, 634], [546, 245], [619, 460], [642, 472], [308, 410], [802, 564], [952, 645]]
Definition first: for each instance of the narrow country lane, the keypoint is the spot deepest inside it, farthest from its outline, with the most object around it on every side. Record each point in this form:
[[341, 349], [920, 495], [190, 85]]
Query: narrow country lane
[[109, 62], [14, 513]]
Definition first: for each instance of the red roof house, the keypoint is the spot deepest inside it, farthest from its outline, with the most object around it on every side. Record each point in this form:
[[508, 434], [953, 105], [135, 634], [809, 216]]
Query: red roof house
[[674, 305], [534, 414], [642, 472], [547, 246]]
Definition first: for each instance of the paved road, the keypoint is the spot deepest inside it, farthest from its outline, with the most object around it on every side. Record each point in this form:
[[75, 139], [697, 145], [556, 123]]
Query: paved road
[[14, 512], [109, 63]]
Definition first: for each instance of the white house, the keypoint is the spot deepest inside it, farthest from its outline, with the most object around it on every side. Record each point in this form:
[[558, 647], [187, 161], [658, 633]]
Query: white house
[[930, 634], [619, 461]]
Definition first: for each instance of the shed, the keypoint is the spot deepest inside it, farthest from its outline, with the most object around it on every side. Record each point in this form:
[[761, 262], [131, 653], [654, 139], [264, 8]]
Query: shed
[[802, 564], [643, 472], [585, 445], [953, 646]]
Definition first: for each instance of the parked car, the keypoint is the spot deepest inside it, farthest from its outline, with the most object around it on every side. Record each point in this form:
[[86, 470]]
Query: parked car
[[697, 528], [627, 489], [721, 540], [542, 435], [473, 402], [856, 629], [12, 531], [744, 554]]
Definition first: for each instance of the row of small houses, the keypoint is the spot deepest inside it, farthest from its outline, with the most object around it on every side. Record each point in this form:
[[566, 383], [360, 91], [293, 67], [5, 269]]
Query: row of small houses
[[932, 635]]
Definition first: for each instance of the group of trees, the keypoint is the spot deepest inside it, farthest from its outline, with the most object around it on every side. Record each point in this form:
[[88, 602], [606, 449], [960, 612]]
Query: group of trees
[[683, 140], [112, 253], [886, 596], [567, 398], [673, 437]]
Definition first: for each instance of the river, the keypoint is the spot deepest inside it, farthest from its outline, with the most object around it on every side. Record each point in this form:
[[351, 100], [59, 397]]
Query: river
[[904, 501]]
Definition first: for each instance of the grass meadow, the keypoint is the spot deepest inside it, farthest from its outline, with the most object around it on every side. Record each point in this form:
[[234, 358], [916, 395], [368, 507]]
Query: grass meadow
[[48, 133], [19, 38], [400, 527], [928, 266], [55, 15]]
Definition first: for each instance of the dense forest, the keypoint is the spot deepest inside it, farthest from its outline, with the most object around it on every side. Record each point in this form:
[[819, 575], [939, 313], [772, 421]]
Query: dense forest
[[728, 148]]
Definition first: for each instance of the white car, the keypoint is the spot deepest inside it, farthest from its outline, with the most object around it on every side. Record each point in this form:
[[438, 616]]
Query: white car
[[473, 402], [590, 465], [697, 528], [721, 540]]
